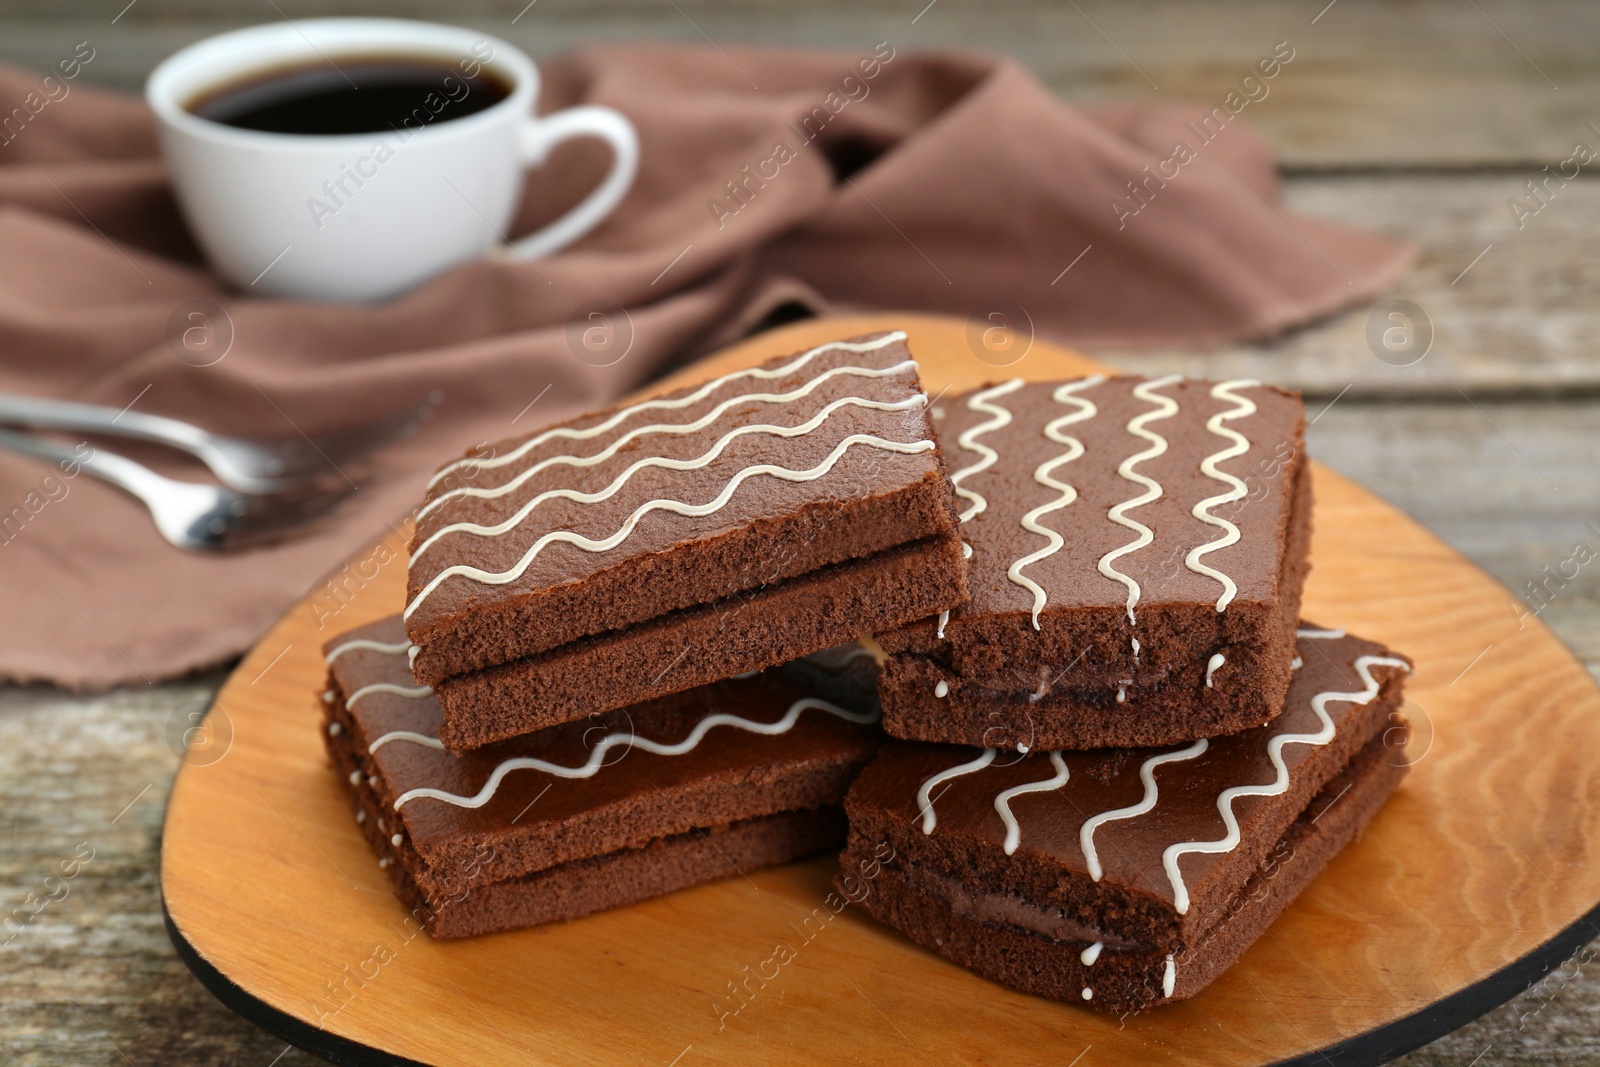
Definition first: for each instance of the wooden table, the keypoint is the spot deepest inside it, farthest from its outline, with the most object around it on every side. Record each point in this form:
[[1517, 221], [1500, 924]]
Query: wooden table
[[1421, 119]]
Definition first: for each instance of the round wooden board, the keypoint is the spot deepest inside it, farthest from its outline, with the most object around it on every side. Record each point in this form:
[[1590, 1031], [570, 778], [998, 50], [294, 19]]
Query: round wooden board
[[1478, 876]]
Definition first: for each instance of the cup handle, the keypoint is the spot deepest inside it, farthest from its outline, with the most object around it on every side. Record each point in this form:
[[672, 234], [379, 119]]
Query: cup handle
[[540, 135]]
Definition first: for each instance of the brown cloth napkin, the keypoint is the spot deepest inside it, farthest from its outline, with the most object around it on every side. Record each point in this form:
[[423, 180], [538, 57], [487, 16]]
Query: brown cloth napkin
[[769, 180]]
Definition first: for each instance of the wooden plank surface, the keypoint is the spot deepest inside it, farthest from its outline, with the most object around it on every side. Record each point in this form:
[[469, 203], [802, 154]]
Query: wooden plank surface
[[1511, 312], [1433, 119], [1425, 83]]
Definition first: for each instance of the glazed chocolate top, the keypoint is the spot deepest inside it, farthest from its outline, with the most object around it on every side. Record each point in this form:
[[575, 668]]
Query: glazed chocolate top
[[536, 800], [1029, 458], [842, 422], [1170, 849]]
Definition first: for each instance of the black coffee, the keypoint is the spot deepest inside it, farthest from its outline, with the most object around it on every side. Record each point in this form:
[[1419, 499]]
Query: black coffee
[[354, 95]]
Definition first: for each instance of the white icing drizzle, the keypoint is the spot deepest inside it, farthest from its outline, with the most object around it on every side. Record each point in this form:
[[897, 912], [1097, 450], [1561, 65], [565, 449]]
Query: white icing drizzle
[[1146, 803], [327, 696], [998, 418], [944, 620], [370, 646], [1169, 977], [677, 507], [1041, 690], [1320, 635], [925, 794], [597, 755], [361, 816], [1237, 490], [688, 400], [412, 692], [1136, 650], [334, 729], [411, 657], [1092, 953], [1088, 994], [1122, 694], [405, 735], [395, 840], [1280, 783], [1002, 803], [1165, 408], [966, 550], [1042, 474], [942, 690], [700, 462], [837, 664], [1217, 659], [355, 777], [1296, 663]]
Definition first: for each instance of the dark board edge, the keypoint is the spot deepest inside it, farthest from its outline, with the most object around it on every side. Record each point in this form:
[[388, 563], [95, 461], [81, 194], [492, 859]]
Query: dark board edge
[[297, 1032], [1450, 1013]]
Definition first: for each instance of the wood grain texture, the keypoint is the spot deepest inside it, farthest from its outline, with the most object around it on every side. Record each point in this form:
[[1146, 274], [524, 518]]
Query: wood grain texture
[[1519, 321], [1431, 82], [1487, 851]]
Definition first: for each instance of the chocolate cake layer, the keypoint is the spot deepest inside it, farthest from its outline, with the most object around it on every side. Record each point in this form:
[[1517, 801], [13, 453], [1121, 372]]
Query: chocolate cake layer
[[698, 646], [582, 887], [1027, 949], [1144, 851], [1138, 552], [615, 519], [754, 757]]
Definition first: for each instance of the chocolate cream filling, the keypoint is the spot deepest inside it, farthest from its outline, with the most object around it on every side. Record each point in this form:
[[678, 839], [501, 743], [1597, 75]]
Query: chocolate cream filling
[[1008, 909]]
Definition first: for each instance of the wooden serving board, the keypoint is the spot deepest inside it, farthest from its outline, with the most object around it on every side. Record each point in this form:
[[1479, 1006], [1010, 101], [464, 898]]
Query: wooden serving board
[[1481, 873]]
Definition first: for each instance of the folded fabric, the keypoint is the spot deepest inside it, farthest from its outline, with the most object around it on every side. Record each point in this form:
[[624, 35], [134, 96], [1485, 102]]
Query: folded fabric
[[770, 180]]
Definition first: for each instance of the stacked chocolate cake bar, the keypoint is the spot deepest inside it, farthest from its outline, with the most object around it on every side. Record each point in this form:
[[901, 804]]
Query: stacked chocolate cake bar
[[630, 661], [1123, 756], [582, 704]]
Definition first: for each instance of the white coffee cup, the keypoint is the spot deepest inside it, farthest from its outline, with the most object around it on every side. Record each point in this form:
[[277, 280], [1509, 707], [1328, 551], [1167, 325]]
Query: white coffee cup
[[337, 217]]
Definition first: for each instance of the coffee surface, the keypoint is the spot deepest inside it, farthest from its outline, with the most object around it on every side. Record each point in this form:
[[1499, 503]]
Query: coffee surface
[[352, 95]]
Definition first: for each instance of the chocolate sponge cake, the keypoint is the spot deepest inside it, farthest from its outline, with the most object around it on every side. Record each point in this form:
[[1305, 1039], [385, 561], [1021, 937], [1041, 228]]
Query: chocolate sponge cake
[[656, 547], [1128, 878], [630, 804], [1137, 555]]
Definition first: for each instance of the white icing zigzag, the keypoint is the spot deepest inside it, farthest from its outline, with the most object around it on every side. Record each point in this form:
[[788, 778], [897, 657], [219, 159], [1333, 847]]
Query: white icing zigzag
[[406, 735], [370, 646], [1322, 635], [1002, 803], [1146, 803], [835, 663], [623, 414], [414, 692], [677, 507], [999, 417], [925, 794], [1165, 408], [698, 463], [678, 429], [597, 755], [1280, 784], [1042, 474], [1243, 407]]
